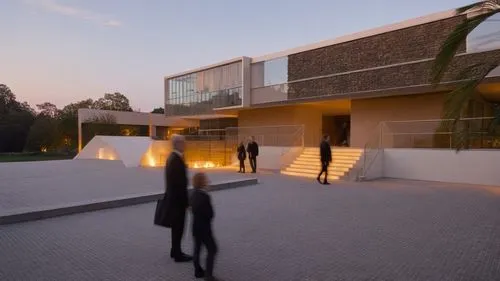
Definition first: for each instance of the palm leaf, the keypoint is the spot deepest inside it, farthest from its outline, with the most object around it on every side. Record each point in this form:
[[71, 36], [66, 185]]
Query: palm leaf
[[469, 7], [495, 123], [458, 100], [453, 42]]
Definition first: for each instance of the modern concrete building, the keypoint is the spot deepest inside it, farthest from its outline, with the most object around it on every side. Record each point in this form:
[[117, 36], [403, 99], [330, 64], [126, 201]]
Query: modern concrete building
[[363, 79], [369, 90]]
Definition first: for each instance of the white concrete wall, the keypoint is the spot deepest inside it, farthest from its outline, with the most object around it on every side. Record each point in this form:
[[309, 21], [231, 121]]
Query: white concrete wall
[[137, 118], [469, 166], [375, 170]]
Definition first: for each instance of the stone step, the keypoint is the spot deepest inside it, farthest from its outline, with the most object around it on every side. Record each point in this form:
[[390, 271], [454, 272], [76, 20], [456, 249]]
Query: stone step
[[307, 160], [334, 156], [314, 171], [318, 164], [312, 176], [339, 149], [318, 167]]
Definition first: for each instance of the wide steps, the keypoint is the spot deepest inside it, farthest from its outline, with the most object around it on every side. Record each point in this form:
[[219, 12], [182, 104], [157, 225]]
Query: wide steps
[[334, 157], [314, 171], [317, 162], [308, 163], [317, 167], [347, 153], [312, 176]]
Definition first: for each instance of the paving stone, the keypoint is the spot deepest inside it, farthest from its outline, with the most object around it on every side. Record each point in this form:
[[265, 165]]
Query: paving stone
[[27, 185], [282, 229]]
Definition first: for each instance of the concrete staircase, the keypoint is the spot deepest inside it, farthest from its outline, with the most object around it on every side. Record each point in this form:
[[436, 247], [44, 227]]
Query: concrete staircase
[[308, 163]]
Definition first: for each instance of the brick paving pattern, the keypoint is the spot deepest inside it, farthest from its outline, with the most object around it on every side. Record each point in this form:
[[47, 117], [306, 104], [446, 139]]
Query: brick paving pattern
[[52, 183], [282, 229]]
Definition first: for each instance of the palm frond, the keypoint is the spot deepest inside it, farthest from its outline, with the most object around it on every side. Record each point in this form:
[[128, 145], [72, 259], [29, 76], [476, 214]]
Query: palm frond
[[495, 123], [469, 7], [483, 6], [453, 42], [457, 102]]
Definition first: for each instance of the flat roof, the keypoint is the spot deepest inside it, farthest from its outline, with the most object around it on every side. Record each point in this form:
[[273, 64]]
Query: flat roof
[[342, 39], [358, 35], [205, 67]]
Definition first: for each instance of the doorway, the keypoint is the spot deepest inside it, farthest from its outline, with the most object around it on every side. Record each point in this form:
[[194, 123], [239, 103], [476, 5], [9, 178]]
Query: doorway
[[338, 127]]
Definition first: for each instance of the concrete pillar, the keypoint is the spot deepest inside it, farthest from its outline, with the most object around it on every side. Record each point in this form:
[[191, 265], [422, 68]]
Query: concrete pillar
[[246, 81], [79, 132]]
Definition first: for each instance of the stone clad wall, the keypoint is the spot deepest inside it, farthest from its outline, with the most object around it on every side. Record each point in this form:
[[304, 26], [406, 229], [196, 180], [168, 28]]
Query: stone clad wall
[[399, 53], [399, 46], [408, 75]]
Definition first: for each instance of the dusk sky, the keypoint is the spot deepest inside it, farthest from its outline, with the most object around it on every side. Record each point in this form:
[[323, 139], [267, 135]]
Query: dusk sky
[[64, 51]]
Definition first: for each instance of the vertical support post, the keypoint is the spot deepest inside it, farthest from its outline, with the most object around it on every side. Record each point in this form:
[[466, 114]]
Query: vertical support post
[[303, 135], [79, 136], [381, 134], [79, 130]]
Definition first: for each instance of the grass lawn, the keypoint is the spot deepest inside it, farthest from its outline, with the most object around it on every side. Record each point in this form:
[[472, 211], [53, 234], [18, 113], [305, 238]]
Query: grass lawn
[[25, 157]]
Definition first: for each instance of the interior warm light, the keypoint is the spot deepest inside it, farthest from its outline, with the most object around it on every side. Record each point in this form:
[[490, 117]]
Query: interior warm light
[[151, 161], [205, 164], [100, 153], [43, 149]]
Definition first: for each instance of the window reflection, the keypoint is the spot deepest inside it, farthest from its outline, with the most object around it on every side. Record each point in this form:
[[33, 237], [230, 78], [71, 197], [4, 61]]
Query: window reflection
[[271, 72], [486, 36], [201, 92]]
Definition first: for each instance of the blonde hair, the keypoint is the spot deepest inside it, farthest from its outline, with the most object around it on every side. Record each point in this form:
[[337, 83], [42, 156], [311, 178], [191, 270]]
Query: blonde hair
[[200, 180]]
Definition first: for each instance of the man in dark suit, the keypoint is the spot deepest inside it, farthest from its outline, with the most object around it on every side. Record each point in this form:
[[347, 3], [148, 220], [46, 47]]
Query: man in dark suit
[[176, 196], [253, 152], [326, 157]]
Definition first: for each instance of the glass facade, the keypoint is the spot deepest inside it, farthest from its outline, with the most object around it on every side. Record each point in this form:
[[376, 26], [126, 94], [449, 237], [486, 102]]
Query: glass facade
[[271, 72], [201, 92], [486, 36]]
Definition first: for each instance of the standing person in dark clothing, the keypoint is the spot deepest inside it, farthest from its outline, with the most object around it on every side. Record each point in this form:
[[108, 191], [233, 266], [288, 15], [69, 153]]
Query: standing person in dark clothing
[[253, 152], [176, 197], [242, 155], [203, 215], [326, 157]]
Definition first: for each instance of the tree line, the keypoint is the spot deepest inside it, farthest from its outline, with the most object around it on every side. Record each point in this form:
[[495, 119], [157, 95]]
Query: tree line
[[49, 128]]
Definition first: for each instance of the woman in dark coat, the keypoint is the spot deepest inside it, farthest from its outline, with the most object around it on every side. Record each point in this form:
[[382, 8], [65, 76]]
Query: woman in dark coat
[[242, 156]]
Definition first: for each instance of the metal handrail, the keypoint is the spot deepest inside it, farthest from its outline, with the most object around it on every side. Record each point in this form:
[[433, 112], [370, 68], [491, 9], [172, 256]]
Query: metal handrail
[[438, 120], [367, 149]]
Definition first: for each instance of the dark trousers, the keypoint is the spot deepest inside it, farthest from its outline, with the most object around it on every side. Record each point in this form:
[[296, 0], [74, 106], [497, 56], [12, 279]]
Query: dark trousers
[[205, 239], [324, 169], [242, 165], [253, 163], [177, 232]]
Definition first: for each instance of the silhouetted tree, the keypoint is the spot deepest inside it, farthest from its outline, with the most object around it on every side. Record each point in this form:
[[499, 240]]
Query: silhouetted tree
[[158, 110], [115, 101], [15, 120]]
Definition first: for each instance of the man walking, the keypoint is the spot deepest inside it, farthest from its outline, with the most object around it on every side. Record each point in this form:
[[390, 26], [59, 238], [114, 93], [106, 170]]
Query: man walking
[[326, 157], [176, 196], [253, 152]]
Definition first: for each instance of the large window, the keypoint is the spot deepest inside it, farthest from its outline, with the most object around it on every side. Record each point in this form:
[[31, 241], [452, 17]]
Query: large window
[[486, 36], [201, 92], [271, 72]]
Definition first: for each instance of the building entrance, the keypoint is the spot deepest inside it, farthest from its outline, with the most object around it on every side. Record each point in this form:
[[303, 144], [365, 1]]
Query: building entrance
[[338, 127]]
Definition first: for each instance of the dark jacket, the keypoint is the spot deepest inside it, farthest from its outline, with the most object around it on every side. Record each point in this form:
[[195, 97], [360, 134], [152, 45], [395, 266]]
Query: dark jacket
[[253, 149], [242, 154], [203, 213], [325, 152], [176, 186]]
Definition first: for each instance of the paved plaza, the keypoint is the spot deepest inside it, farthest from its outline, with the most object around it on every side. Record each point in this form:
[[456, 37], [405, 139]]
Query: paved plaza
[[282, 229], [54, 183]]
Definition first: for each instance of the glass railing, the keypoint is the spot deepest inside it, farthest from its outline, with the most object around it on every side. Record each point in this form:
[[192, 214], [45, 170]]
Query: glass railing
[[473, 133]]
